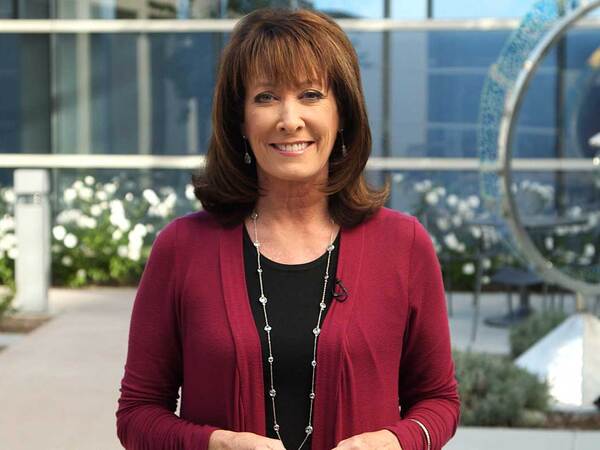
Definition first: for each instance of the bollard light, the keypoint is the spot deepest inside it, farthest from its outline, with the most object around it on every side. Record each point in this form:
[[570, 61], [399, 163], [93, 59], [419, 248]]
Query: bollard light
[[32, 231]]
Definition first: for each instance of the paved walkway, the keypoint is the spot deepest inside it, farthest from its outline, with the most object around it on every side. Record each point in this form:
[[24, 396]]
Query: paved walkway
[[59, 384]]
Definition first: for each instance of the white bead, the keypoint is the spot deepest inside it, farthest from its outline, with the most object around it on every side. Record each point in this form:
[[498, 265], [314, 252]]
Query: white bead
[[322, 305], [268, 328], [312, 396], [270, 359], [257, 244], [272, 393], [276, 427], [317, 331], [314, 363], [330, 248], [259, 270], [308, 429], [263, 299]]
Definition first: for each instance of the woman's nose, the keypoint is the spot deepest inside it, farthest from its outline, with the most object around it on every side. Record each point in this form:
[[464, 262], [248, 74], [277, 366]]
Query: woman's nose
[[290, 119]]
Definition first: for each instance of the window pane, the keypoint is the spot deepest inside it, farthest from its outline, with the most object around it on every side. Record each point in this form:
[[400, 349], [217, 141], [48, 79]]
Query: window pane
[[463, 9]]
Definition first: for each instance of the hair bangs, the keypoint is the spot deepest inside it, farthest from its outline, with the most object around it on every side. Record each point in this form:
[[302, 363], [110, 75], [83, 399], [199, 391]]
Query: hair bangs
[[284, 59]]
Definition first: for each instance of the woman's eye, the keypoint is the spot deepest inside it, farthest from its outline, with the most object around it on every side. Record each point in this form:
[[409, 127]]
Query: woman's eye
[[313, 95], [263, 97]]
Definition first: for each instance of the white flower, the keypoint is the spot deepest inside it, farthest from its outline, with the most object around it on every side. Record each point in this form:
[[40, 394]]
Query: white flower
[[59, 232], [86, 222], [451, 241], [189, 192], [486, 263], [443, 223], [397, 178], [89, 180], [117, 215], [13, 253], [583, 261], [485, 279], [110, 188], [575, 211], [8, 241], [77, 185], [476, 232], [69, 195], [67, 261], [101, 195], [423, 186], [86, 193], [68, 216], [151, 197], [461, 248], [70, 240], [441, 191], [464, 207], [432, 197], [468, 269], [456, 221], [140, 229], [122, 251], [7, 223], [549, 243], [129, 196], [117, 234], [473, 201], [149, 228], [81, 273], [171, 200], [452, 200], [9, 196], [95, 210], [589, 250]]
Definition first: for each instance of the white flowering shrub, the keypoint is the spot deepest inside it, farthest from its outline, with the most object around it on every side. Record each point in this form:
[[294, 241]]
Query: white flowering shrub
[[449, 217], [8, 248], [104, 232]]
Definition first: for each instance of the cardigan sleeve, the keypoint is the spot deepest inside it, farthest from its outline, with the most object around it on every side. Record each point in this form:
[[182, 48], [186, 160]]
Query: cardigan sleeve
[[146, 416], [427, 384]]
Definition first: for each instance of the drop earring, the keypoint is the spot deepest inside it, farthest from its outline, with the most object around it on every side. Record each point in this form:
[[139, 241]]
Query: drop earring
[[344, 149], [247, 157]]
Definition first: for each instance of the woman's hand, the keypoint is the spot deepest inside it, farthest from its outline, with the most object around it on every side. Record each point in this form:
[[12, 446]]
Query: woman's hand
[[230, 440], [375, 440]]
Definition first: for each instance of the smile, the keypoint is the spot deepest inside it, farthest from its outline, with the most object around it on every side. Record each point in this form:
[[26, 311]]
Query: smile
[[297, 147]]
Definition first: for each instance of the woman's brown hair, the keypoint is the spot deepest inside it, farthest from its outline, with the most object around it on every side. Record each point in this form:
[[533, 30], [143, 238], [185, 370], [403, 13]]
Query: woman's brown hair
[[266, 44]]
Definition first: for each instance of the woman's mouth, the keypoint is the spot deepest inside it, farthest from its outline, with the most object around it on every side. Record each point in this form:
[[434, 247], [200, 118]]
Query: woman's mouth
[[297, 148]]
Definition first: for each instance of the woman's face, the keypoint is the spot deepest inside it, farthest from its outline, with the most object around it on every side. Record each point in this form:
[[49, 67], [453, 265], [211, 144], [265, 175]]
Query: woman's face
[[291, 130]]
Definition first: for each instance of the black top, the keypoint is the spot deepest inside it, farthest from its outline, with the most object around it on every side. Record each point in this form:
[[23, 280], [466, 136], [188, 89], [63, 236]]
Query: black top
[[294, 292]]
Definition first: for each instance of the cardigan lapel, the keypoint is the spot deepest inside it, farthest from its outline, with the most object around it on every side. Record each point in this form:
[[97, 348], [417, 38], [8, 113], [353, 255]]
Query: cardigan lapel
[[249, 413], [328, 403]]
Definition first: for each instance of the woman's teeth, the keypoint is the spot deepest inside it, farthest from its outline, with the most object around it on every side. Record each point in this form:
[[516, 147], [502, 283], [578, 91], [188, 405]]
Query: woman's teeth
[[292, 147]]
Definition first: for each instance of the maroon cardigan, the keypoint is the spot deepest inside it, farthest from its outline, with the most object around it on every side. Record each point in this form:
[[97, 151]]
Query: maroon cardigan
[[386, 345]]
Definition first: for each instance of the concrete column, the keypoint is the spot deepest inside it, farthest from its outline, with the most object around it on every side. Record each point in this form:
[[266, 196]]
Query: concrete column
[[32, 223]]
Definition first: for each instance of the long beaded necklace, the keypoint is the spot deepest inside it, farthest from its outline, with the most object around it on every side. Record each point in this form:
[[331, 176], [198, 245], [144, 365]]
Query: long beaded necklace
[[316, 331]]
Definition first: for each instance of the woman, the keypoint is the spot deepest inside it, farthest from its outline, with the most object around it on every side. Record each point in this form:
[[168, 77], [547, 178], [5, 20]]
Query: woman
[[296, 311]]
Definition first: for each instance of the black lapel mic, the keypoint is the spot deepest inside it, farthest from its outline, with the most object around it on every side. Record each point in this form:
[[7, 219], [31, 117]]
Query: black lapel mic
[[340, 293]]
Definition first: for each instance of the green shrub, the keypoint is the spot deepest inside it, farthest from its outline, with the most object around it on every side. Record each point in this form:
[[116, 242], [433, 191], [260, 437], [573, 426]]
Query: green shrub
[[495, 392], [528, 332]]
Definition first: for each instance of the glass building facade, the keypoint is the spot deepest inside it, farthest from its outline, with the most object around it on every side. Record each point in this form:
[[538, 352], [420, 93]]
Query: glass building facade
[[128, 92]]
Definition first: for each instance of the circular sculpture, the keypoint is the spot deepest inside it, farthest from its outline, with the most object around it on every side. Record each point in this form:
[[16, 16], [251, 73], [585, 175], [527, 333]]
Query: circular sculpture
[[502, 99]]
